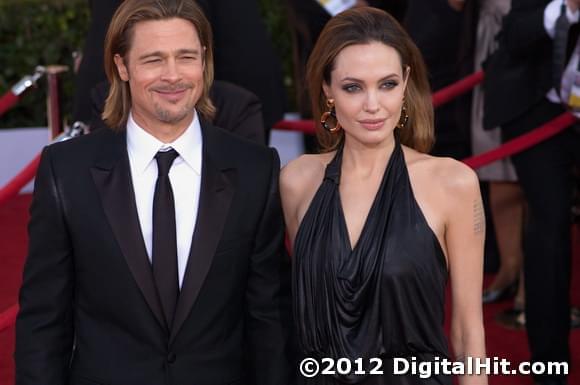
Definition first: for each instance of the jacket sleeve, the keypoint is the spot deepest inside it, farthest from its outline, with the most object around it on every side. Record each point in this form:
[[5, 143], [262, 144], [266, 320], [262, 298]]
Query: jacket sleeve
[[249, 123], [238, 111], [523, 28], [44, 327], [268, 294]]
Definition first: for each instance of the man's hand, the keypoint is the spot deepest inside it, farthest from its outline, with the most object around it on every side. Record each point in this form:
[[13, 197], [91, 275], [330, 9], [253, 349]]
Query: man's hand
[[459, 4], [573, 5]]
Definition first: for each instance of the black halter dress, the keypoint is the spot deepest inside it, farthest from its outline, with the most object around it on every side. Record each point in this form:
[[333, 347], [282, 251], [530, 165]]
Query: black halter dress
[[385, 297]]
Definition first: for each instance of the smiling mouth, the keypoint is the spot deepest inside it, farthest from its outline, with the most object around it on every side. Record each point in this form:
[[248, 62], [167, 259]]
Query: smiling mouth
[[172, 96], [171, 92], [174, 89]]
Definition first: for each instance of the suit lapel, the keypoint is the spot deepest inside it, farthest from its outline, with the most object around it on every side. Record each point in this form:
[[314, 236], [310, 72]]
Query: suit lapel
[[216, 193], [112, 177]]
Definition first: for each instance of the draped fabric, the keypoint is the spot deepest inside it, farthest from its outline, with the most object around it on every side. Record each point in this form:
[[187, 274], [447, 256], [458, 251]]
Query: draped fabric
[[382, 298]]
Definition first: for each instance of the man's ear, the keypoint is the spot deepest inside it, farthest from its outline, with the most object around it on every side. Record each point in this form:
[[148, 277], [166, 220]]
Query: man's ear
[[121, 68]]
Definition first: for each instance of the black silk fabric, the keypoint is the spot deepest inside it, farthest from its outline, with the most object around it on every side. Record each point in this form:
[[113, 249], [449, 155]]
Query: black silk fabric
[[385, 297]]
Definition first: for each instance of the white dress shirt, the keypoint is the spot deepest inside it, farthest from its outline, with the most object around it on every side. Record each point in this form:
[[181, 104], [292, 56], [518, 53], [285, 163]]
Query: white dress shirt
[[551, 14], [185, 178]]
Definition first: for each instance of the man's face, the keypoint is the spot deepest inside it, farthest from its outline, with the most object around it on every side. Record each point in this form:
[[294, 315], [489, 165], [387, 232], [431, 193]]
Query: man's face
[[164, 68]]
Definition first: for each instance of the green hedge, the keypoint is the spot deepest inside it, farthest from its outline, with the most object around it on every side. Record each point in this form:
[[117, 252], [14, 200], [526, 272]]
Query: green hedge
[[34, 32], [274, 14], [44, 32]]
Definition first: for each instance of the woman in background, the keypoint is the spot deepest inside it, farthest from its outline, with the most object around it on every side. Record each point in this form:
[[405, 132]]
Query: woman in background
[[506, 198]]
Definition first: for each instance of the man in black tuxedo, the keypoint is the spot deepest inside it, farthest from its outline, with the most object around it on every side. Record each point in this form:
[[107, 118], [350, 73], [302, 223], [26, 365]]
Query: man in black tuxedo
[[520, 96], [156, 247]]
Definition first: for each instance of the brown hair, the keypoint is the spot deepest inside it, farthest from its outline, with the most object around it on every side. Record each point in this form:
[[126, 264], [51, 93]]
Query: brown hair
[[363, 25], [118, 41]]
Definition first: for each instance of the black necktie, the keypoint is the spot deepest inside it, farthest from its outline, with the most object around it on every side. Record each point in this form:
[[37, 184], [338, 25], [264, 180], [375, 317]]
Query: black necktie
[[164, 253], [559, 48]]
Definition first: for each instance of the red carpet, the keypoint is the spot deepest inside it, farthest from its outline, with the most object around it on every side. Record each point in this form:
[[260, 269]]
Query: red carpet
[[501, 343], [13, 238]]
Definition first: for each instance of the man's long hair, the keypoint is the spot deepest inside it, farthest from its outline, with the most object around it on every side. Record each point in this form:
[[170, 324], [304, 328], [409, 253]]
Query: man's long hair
[[118, 41]]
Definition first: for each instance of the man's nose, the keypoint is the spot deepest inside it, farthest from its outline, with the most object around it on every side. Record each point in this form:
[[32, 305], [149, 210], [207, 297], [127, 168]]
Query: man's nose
[[170, 71]]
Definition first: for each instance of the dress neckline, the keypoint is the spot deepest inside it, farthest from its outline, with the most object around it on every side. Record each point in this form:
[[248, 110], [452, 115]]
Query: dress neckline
[[334, 172]]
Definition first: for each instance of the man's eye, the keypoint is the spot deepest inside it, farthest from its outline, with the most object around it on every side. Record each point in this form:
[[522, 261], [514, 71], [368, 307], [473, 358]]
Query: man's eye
[[351, 88], [188, 58], [150, 61]]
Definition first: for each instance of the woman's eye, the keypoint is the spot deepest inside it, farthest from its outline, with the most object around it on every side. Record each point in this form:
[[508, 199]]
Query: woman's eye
[[389, 84], [351, 88]]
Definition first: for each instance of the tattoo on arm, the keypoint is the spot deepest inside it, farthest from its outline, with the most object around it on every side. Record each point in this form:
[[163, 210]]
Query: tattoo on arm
[[478, 217]]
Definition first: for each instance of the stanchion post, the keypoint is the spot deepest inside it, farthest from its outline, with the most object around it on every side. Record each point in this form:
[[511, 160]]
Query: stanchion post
[[10, 98], [53, 100]]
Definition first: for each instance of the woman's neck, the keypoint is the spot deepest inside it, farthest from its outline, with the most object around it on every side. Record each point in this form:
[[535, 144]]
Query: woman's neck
[[364, 160]]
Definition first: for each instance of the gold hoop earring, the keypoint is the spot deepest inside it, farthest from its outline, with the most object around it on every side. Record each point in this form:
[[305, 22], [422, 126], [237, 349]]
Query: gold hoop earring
[[331, 113], [404, 117]]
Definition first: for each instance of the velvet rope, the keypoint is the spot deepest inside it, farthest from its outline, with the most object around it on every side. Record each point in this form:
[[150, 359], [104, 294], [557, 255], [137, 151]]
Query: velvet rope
[[304, 126], [8, 317], [446, 94], [523, 142], [7, 101], [19, 181]]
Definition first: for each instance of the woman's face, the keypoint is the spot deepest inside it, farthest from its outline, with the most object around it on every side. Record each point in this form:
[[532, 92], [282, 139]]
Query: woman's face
[[367, 85]]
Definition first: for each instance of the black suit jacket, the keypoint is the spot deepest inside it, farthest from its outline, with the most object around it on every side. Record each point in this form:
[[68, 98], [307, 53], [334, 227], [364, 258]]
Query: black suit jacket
[[519, 74], [238, 111], [89, 311]]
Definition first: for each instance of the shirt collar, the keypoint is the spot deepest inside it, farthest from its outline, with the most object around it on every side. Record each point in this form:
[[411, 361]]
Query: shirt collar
[[142, 146]]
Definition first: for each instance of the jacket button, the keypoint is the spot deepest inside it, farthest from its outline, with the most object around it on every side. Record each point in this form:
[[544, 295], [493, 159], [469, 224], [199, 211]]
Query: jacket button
[[171, 357]]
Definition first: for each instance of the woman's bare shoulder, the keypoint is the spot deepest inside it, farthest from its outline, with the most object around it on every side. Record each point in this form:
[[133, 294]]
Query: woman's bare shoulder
[[299, 181], [441, 186], [448, 174], [303, 172]]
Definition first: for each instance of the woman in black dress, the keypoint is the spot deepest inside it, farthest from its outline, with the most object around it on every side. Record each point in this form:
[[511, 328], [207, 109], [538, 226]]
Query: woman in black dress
[[377, 225]]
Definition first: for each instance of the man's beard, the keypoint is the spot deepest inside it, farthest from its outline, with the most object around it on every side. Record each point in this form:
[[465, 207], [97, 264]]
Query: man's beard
[[167, 116], [170, 117]]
